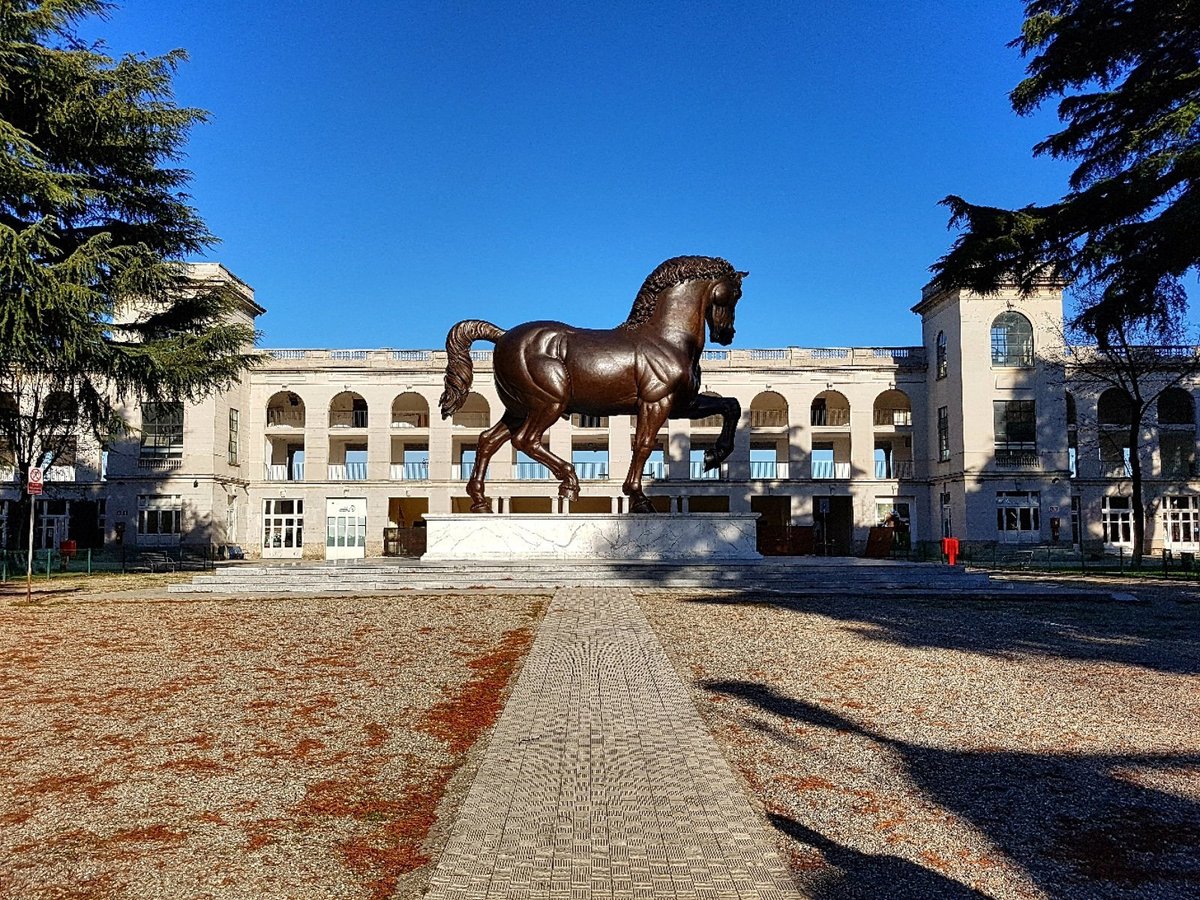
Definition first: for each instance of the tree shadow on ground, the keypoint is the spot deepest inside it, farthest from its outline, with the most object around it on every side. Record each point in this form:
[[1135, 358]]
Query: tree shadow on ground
[[1080, 825], [1161, 636], [872, 875]]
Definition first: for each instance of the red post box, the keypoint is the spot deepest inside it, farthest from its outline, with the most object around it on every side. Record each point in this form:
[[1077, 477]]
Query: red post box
[[950, 549]]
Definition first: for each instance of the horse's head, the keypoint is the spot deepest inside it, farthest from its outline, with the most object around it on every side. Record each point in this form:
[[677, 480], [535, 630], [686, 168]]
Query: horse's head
[[724, 297]]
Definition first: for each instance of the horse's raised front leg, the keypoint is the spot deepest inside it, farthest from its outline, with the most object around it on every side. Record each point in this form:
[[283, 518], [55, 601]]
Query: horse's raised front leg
[[650, 417], [730, 412], [489, 442], [528, 439]]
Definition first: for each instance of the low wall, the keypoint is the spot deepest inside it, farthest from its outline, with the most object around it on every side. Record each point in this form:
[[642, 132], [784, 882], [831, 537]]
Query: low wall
[[695, 536]]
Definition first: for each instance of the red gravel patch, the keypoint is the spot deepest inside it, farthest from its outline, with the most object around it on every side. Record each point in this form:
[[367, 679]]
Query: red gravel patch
[[291, 748]]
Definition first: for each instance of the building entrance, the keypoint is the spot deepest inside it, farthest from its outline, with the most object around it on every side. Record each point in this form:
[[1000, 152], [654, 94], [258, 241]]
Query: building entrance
[[346, 528], [833, 521], [283, 529]]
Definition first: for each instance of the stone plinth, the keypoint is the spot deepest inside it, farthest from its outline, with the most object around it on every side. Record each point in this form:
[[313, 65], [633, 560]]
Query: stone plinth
[[517, 536]]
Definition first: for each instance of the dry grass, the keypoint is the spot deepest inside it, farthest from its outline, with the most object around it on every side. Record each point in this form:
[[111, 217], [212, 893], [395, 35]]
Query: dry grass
[[914, 749], [268, 748]]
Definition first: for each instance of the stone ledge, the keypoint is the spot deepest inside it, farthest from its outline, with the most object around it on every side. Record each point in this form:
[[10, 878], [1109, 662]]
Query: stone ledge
[[592, 536]]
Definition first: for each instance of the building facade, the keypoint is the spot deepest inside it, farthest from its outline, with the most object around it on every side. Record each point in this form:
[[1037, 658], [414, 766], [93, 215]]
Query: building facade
[[980, 432]]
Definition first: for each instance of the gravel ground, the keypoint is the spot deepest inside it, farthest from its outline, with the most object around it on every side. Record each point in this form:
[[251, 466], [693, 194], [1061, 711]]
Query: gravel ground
[[919, 749], [305, 747]]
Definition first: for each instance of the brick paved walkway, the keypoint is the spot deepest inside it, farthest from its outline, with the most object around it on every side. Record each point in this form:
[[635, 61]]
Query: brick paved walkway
[[600, 779]]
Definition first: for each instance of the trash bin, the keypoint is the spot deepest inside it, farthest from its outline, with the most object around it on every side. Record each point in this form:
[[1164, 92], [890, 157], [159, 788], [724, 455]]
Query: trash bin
[[950, 549], [68, 549], [1187, 560]]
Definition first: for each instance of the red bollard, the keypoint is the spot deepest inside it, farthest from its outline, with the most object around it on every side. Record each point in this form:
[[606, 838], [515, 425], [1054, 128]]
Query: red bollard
[[950, 549]]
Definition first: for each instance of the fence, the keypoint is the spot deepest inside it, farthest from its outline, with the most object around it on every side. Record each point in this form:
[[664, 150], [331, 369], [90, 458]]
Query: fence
[[1068, 559], [48, 564]]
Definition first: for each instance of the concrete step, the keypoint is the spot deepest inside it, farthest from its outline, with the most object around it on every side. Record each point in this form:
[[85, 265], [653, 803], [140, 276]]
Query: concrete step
[[813, 577]]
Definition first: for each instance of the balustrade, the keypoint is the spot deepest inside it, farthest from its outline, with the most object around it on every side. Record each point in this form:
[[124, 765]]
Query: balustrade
[[768, 469], [530, 471], [356, 471], [901, 469], [826, 469], [409, 471]]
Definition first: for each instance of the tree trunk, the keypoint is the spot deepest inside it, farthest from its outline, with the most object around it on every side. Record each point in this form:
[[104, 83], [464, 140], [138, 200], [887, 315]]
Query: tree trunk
[[1135, 478]]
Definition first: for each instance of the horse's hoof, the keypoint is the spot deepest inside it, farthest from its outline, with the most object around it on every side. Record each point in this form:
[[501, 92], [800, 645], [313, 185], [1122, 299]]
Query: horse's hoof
[[711, 460], [481, 506], [642, 506], [569, 492]]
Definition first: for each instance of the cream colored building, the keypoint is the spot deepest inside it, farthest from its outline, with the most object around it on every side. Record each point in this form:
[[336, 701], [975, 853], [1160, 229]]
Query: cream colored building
[[976, 433]]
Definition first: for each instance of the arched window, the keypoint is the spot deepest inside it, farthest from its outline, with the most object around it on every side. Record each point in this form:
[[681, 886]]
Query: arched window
[[940, 348], [1114, 408], [1175, 407], [285, 409], [1012, 340]]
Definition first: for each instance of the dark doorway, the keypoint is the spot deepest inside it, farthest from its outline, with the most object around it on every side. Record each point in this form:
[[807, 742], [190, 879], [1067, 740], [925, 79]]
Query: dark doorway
[[774, 517], [833, 518]]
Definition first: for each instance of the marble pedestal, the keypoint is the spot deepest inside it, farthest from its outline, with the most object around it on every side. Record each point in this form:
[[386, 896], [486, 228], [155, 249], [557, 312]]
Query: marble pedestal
[[665, 536]]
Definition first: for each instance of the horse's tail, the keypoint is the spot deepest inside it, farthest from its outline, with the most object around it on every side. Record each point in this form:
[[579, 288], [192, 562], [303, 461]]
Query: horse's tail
[[459, 372]]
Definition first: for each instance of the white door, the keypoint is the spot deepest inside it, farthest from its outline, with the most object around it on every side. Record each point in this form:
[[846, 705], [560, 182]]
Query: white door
[[346, 528], [283, 529]]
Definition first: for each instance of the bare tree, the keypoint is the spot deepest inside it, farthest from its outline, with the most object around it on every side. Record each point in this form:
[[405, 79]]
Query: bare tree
[[1144, 362]]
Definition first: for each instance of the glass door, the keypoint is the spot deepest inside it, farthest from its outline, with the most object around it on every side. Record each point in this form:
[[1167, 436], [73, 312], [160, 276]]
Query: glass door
[[346, 528], [283, 529]]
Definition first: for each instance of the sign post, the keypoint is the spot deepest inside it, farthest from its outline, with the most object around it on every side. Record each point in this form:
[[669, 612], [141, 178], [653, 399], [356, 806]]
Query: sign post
[[33, 486]]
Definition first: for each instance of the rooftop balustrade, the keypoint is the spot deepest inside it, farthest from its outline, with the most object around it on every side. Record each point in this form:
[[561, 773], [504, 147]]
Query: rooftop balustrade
[[754, 357]]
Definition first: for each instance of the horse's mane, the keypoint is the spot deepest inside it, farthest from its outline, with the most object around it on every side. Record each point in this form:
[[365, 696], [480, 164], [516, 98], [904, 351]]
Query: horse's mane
[[672, 272]]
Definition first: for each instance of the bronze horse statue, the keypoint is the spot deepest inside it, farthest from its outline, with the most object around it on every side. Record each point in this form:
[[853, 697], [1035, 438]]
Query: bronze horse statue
[[649, 367]]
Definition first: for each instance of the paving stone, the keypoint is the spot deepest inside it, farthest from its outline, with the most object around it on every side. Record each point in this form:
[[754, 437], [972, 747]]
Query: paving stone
[[600, 779]]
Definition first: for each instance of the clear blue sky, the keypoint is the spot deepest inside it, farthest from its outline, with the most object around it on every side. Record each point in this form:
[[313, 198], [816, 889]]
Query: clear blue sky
[[380, 170]]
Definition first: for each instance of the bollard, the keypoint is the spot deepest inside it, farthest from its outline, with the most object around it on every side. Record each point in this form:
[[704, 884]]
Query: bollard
[[89, 561]]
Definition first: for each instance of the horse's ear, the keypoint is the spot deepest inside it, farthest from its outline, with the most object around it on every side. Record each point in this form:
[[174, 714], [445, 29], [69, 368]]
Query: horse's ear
[[742, 275]]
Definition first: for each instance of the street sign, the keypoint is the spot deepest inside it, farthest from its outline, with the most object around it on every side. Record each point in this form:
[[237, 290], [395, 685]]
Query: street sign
[[35, 480]]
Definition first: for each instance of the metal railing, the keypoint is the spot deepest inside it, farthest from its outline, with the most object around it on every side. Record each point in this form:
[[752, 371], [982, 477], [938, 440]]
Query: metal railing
[[768, 469], [280, 472], [348, 472], [591, 471], [768, 418], [824, 469], [461, 471], [655, 469], [901, 469], [833, 417], [409, 471], [1018, 459], [530, 471], [159, 462], [697, 472], [343, 418], [285, 416], [897, 418]]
